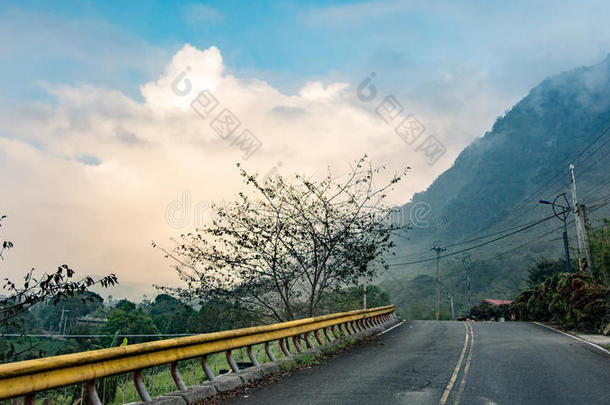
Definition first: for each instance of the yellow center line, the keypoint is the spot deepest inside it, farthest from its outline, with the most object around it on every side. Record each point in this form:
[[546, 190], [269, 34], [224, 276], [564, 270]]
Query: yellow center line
[[466, 367], [455, 371]]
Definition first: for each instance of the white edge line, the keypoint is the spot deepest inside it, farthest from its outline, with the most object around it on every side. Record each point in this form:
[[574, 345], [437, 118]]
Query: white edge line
[[387, 330], [575, 337]]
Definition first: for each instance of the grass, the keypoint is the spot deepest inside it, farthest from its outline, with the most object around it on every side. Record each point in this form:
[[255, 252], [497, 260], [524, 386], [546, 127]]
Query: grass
[[158, 379]]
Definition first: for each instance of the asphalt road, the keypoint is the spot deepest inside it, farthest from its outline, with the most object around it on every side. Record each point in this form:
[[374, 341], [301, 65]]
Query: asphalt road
[[427, 362]]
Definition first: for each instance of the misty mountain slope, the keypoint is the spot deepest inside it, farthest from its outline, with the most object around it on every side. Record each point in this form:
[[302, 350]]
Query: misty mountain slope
[[483, 191]]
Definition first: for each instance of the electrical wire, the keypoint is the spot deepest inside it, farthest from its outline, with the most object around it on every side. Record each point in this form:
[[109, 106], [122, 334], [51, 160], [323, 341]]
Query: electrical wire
[[476, 246]]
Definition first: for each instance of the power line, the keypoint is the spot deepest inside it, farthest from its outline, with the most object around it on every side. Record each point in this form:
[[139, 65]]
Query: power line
[[550, 182], [476, 246], [554, 179], [425, 252]]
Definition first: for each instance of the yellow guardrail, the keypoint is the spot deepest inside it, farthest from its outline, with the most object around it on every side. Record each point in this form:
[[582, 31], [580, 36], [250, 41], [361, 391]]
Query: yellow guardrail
[[31, 376]]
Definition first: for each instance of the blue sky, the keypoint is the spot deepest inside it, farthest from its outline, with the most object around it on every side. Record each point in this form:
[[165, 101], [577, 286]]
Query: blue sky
[[123, 44], [93, 137]]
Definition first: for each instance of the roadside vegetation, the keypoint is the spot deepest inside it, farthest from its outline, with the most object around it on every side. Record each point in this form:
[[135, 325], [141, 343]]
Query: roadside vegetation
[[575, 301]]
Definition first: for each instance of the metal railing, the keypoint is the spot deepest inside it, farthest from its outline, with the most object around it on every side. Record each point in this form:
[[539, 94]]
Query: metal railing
[[32, 376]]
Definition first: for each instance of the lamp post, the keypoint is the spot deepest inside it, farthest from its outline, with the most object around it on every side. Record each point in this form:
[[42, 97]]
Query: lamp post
[[563, 216]]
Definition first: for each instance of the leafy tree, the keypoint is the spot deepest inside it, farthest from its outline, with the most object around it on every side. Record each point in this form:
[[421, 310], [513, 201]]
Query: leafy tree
[[125, 305], [599, 243], [217, 314], [279, 252], [170, 315], [543, 269], [79, 305], [128, 321]]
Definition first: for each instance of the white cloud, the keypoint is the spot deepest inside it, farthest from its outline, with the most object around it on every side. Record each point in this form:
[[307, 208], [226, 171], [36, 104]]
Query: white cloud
[[201, 13], [101, 217]]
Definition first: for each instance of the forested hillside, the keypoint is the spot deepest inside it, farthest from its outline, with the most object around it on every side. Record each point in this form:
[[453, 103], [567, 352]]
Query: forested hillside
[[495, 184]]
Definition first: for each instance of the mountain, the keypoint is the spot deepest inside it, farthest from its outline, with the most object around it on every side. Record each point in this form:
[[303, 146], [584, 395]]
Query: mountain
[[495, 184]]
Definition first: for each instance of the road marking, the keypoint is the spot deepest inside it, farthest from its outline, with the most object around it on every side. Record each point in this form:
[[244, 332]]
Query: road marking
[[575, 337], [466, 366], [387, 330], [456, 370]]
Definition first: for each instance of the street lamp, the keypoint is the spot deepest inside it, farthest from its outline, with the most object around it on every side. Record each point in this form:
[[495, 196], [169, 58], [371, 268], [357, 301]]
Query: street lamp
[[563, 216]]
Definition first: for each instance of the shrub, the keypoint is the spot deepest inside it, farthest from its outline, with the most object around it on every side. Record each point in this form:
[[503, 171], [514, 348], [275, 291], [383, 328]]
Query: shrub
[[573, 300]]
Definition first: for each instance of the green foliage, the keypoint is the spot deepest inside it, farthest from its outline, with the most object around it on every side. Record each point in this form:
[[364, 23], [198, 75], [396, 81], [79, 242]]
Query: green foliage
[[543, 269], [573, 300], [599, 243], [79, 305], [130, 322], [125, 305], [348, 299], [173, 316], [307, 360]]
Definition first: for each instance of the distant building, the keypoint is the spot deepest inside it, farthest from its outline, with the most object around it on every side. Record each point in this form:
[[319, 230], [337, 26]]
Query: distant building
[[492, 310], [90, 321], [495, 303]]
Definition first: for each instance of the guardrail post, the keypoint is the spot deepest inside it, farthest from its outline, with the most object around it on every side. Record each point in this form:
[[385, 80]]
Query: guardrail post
[[297, 345], [252, 357], [316, 334], [334, 332], [231, 362], [307, 340], [140, 387], [173, 366], [206, 369], [284, 348], [29, 399], [92, 397], [269, 352]]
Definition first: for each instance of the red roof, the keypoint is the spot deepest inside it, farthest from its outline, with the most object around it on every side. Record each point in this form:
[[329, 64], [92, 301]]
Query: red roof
[[496, 302]]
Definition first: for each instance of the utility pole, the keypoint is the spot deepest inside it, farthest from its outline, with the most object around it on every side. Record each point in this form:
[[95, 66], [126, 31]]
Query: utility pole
[[584, 259], [467, 263], [451, 301], [61, 321], [438, 251], [563, 216]]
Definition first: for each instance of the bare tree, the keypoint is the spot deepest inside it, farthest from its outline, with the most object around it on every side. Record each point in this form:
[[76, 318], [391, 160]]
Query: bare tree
[[279, 250]]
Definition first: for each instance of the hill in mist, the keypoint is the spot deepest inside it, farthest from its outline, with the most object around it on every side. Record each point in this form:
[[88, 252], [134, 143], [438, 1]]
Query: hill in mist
[[495, 184]]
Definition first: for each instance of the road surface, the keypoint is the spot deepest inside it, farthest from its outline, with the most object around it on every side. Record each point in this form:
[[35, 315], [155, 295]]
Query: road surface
[[427, 362]]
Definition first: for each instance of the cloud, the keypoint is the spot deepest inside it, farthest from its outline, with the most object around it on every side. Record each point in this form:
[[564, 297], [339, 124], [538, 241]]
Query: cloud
[[200, 13], [96, 188]]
